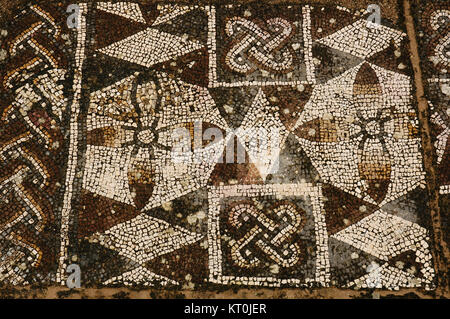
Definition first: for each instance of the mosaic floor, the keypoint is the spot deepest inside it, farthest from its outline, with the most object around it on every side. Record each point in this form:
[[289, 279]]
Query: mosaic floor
[[196, 147]]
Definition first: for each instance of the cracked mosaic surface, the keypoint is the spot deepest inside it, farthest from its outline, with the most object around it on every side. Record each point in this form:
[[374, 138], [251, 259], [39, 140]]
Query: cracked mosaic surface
[[87, 174]]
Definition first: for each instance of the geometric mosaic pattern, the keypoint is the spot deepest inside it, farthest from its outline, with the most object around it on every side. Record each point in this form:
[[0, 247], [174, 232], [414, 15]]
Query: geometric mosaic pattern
[[88, 177], [434, 21]]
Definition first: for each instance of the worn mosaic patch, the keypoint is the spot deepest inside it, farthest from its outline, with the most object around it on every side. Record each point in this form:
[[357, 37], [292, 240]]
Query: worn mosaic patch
[[205, 146]]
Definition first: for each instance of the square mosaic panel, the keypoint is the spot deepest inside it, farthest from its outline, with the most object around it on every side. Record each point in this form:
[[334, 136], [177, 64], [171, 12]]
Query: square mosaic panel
[[88, 175], [270, 235]]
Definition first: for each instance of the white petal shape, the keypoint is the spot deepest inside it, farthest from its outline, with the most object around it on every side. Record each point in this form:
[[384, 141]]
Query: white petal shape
[[184, 102], [111, 105], [178, 175], [336, 163], [441, 140], [386, 276]]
